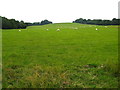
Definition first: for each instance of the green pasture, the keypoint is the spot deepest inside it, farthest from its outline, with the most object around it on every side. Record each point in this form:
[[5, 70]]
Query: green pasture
[[77, 56]]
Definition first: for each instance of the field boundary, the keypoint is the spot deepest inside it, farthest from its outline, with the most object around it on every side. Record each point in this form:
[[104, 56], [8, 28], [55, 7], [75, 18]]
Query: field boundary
[[0, 53], [118, 45]]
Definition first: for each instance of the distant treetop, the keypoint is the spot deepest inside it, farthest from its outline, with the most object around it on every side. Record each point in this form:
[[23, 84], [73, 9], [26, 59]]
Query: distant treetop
[[15, 24], [12, 24], [114, 21], [45, 22]]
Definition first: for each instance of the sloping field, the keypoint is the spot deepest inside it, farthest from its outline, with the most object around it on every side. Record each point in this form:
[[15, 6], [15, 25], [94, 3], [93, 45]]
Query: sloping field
[[76, 55]]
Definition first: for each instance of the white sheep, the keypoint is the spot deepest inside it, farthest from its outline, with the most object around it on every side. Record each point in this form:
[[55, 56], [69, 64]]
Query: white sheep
[[58, 29], [19, 30], [76, 28], [96, 29]]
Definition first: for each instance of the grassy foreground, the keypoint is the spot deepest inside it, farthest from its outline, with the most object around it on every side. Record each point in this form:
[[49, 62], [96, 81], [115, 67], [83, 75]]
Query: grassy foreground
[[76, 56]]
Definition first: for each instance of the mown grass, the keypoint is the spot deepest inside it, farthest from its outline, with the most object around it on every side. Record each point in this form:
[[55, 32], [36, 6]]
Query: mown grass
[[82, 57]]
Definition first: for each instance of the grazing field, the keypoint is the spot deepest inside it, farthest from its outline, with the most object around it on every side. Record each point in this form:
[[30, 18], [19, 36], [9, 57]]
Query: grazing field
[[61, 55]]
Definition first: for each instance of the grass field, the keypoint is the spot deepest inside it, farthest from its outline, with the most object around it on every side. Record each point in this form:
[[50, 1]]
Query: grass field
[[69, 58]]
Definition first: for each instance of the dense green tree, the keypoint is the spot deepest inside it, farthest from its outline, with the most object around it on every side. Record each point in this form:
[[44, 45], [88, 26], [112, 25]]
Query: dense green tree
[[39, 23], [12, 24], [45, 22], [114, 21], [28, 23], [36, 23]]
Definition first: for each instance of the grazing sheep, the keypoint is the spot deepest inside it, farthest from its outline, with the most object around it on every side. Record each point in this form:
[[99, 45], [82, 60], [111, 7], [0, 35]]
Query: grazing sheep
[[76, 28], [58, 29], [47, 29], [19, 30], [96, 29]]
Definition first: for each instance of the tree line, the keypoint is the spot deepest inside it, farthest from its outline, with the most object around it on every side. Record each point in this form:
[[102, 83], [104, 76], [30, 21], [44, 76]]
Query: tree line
[[15, 24], [114, 21], [12, 23], [43, 22]]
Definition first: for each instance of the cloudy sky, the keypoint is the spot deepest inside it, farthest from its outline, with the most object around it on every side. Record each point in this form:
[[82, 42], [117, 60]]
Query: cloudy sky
[[58, 10]]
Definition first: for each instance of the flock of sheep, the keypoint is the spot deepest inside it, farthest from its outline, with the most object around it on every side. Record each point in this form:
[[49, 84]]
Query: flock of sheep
[[56, 30], [73, 28]]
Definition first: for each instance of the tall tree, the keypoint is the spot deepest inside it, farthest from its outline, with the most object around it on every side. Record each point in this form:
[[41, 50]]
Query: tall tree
[[45, 22]]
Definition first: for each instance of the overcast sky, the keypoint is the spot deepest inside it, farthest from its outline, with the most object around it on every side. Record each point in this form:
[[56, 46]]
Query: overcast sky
[[58, 10]]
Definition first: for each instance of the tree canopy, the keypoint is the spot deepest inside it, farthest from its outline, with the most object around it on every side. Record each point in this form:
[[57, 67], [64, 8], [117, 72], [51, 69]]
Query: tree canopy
[[15, 24], [12, 23], [45, 22], [114, 21]]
